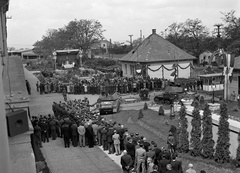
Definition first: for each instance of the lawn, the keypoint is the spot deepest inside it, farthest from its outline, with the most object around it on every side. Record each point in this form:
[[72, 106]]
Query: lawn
[[130, 120]]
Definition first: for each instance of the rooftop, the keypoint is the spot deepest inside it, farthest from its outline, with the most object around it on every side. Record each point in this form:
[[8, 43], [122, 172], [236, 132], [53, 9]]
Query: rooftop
[[156, 49]]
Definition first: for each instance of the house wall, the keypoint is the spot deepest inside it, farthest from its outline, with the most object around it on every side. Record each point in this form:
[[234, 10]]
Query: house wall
[[233, 86], [4, 149], [129, 70], [163, 73], [205, 56]]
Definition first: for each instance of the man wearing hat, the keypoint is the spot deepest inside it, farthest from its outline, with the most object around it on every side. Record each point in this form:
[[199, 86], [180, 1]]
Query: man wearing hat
[[162, 165], [190, 169], [136, 138]]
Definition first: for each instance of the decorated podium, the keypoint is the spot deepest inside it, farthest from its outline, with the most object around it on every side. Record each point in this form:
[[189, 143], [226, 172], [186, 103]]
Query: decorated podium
[[144, 94]]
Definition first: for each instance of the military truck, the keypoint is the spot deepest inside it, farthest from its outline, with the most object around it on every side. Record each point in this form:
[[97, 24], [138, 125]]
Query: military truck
[[108, 104], [170, 95]]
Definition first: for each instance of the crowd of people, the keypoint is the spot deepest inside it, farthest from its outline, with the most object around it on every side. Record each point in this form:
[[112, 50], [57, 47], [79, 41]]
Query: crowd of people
[[79, 127], [121, 85]]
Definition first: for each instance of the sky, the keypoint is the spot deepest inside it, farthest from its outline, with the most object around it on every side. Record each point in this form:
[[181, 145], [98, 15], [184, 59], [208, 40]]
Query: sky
[[30, 19]]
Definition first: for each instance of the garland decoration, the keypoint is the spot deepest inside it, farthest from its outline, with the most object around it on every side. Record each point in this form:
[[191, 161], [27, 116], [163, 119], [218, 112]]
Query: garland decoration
[[183, 68], [173, 68], [156, 69]]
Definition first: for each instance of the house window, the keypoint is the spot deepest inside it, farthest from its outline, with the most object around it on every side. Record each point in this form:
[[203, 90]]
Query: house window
[[125, 68], [131, 69]]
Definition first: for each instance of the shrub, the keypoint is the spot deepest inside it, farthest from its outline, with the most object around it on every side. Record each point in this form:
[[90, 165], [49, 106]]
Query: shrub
[[183, 145], [222, 154], [207, 140], [140, 114], [145, 107], [161, 111], [196, 131]]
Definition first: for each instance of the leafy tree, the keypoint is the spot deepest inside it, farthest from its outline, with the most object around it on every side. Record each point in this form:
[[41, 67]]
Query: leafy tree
[[207, 140], [222, 153], [183, 145], [196, 131], [176, 35], [78, 34], [231, 32], [195, 33], [189, 35]]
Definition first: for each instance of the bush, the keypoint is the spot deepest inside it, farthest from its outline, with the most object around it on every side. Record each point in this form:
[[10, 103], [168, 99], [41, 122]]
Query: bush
[[140, 114], [207, 140], [196, 131], [222, 154], [145, 107], [183, 145], [161, 111]]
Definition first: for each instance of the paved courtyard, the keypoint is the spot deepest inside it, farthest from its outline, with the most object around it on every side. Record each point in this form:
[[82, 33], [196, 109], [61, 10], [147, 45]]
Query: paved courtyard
[[73, 159]]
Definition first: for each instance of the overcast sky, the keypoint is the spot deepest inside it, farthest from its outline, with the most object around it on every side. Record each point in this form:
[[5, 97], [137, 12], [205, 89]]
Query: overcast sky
[[120, 18]]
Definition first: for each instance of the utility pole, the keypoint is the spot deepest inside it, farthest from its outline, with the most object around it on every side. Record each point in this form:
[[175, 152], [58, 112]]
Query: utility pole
[[131, 40], [140, 35], [110, 48], [218, 34]]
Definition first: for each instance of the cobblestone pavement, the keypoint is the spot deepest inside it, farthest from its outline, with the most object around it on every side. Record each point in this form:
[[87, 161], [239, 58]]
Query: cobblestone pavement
[[73, 159]]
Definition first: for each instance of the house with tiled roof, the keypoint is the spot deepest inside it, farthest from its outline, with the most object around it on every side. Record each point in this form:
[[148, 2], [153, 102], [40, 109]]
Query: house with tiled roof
[[157, 57]]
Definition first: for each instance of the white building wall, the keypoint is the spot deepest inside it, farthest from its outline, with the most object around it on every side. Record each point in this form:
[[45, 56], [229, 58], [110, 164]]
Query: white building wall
[[164, 73]]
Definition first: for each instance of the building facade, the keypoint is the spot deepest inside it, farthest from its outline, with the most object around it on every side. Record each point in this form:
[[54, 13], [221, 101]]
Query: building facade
[[234, 82], [157, 58]]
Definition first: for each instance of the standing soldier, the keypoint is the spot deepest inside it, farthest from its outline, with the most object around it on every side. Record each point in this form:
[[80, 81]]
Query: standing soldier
[[64, 93], [66, 135], [37, 133], [37, 86]]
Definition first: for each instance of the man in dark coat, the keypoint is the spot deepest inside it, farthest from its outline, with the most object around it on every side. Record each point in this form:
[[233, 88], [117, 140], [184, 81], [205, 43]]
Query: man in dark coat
[[130, 147], [74, 134], [110, 140], [104, 138], [44, 127], [176, 165], [126, 162], [90, 136], [66, 134], [146, 144], [53, 126], [162, 165], [37, 133]]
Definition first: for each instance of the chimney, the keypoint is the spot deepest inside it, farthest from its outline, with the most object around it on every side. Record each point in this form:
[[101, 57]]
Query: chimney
[[153, 31]]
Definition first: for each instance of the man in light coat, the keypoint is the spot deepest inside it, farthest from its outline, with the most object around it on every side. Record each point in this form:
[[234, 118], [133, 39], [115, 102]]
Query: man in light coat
[[81, 132]]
